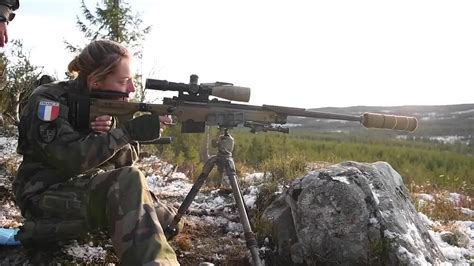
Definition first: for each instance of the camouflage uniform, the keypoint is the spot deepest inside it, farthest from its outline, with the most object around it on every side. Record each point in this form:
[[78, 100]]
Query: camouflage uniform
[[72, 181], [6, 8]]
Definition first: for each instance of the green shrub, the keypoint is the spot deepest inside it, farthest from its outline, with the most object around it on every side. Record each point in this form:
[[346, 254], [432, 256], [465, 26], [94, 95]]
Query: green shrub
[[286, 167], [284, 155]]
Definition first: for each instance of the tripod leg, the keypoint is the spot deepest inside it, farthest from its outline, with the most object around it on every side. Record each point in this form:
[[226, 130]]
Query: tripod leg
[[244, 220], [171, 228]]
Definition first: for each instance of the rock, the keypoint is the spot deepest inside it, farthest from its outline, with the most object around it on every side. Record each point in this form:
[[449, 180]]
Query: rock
[[350, 214]]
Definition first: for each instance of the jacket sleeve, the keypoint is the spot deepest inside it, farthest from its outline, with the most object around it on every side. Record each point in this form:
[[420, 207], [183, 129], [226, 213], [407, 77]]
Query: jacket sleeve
[[55, 142]]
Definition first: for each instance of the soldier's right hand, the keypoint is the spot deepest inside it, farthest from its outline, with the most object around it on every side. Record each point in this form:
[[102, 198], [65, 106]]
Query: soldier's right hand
[[143, 128], [102, 124]]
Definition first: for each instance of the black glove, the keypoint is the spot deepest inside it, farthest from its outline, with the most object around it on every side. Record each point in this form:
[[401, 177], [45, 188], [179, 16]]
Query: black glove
[[143, 128]]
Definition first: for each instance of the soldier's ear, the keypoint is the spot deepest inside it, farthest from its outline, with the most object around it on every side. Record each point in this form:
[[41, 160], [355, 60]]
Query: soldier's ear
[[92, 82]]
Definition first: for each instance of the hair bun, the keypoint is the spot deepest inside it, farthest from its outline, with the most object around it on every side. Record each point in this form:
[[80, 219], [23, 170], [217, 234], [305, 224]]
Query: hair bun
[[73, 66]]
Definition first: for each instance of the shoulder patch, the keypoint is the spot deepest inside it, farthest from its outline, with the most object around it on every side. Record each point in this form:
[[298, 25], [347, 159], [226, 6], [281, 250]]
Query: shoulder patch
[[48, 110]]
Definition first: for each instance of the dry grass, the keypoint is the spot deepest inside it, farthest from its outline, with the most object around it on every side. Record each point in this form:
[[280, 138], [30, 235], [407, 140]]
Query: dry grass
[[11, 165], [203, 243], [441, 208]]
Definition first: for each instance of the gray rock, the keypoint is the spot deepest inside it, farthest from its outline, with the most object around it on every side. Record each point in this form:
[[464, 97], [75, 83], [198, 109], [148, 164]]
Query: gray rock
[[350, 214]]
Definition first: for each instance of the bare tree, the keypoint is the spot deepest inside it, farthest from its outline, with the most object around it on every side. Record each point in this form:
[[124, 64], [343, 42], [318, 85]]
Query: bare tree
[[19, 78]]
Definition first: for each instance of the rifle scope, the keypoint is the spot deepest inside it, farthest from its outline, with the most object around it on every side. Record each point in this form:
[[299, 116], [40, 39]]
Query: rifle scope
[[219, 89]]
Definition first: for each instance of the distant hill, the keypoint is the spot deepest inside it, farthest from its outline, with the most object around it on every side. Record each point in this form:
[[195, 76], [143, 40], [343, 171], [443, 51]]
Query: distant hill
[[445, 123]]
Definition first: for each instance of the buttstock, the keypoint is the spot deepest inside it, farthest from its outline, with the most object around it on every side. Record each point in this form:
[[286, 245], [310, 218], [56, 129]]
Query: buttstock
[[121, 110], [395, 122]]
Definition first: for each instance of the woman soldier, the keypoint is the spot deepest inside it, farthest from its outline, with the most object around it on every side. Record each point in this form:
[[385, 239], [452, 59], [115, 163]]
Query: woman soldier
[[72, 181]]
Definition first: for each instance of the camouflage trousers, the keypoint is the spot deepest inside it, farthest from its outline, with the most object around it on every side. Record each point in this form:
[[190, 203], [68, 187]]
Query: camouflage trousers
[[117, 200]]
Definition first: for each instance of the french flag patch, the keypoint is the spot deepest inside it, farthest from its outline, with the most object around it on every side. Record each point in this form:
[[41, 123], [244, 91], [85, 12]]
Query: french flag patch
[[48, 110]]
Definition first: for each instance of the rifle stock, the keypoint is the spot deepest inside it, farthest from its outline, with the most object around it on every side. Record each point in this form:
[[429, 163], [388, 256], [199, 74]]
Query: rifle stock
[[121, 110]]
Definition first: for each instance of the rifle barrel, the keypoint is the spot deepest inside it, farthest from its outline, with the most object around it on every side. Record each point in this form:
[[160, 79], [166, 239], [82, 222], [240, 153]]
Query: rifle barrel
[[292, 111]]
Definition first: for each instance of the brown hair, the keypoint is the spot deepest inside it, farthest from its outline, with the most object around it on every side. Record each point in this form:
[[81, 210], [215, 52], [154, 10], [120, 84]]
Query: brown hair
[[99, 58]]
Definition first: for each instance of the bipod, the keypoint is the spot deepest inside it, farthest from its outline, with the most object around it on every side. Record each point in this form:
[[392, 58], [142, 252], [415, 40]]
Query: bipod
[[225, 164]]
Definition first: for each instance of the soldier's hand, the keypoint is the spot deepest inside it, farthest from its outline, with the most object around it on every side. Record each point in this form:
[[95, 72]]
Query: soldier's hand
[[143, 128], [3, 34], [102, 124]]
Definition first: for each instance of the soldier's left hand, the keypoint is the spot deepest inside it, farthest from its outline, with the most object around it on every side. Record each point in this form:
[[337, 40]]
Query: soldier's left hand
[[165, 120], [102, 124]]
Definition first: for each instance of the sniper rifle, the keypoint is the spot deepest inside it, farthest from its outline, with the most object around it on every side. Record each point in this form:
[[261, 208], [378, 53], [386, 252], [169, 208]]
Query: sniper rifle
[[194, 109]]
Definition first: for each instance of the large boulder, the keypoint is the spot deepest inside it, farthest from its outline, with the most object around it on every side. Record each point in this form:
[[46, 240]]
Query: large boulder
[[350, 214]]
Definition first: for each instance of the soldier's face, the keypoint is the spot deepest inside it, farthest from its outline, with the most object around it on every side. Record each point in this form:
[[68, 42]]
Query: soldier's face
[[121, 80]]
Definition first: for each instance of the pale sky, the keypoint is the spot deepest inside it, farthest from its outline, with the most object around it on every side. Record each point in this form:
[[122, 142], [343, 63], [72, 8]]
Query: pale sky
[[293, 53]]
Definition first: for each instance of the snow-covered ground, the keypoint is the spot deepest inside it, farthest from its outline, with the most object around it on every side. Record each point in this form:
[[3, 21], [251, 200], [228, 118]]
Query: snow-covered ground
[[217, 210]]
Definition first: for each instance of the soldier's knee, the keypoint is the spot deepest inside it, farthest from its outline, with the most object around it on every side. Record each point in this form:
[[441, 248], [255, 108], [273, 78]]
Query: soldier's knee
[[131, 178], [130, 171]]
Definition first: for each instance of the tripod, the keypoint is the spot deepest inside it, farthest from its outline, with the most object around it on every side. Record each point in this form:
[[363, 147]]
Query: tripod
[[225, 164]]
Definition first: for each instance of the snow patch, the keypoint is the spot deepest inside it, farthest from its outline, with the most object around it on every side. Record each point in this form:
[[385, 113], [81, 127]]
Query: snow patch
[[7, 146], [467, 211], [86, 253], [342, 179], [453, 254], [374, 193], [373, 221], [454, 198], [425, 197], [250, 196], [413, 259], [253, 178], [464, 111], [427, 220], [10, 215]]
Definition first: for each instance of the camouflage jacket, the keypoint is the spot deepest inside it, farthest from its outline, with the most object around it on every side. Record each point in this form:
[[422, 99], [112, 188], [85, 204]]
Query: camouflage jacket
[[6, 8], [54, 152]]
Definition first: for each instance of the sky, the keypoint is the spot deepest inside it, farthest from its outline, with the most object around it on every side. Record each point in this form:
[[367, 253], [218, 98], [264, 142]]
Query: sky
[[304, 53]]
